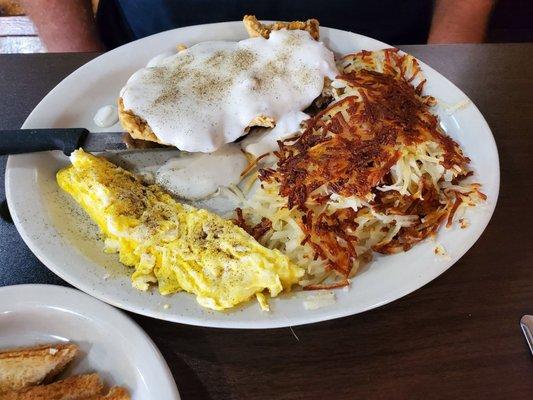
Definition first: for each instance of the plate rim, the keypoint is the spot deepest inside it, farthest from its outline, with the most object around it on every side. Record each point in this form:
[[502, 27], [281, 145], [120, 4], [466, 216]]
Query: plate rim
[[264, 323], [78, 302]]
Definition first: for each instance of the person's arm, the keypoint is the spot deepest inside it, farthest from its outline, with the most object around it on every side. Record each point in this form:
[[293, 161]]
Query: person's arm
[[460, 21], [64, 25]]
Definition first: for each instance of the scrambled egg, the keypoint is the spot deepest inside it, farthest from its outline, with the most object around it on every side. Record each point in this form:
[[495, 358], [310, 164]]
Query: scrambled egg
[[174, 245]]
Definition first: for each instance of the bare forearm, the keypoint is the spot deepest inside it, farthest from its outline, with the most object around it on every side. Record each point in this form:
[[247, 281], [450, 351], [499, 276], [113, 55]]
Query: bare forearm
[[64, 25], [460, 21]]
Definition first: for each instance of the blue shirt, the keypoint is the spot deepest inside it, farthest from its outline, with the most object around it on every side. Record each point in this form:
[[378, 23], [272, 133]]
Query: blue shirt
[[392, 21]]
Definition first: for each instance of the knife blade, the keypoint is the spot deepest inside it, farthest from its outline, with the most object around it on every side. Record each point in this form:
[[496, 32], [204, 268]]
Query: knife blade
[[64, 139]]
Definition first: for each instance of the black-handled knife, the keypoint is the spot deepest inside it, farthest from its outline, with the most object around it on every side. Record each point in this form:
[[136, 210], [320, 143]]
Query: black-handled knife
[[67, 140]]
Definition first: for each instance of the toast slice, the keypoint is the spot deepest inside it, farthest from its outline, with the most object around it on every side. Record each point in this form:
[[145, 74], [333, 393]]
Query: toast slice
[[73, 388], [115, 393], [21, 368]]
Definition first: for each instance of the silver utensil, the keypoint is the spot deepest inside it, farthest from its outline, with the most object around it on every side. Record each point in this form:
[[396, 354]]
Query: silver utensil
[[65, 139], [526, 323]]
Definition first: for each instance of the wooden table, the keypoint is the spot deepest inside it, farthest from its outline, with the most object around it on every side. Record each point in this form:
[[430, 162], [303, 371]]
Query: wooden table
[[456, 338]]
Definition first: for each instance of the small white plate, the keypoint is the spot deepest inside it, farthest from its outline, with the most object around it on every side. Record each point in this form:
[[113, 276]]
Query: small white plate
[[60, 236], [111, 343]]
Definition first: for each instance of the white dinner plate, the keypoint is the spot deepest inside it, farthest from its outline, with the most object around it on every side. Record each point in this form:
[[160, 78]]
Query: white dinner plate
[[110, 342], [71, 249]]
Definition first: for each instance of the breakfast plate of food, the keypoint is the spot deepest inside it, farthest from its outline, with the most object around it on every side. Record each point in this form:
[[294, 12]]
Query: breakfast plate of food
[[59, 343], [277, 174]]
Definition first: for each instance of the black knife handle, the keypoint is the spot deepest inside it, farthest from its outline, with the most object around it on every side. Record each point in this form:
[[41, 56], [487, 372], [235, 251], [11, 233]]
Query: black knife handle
[[32, 140]]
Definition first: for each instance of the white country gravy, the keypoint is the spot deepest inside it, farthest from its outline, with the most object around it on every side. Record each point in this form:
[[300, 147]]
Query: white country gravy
[[206, 96], [106, 116], [265, 140], [195, 176]]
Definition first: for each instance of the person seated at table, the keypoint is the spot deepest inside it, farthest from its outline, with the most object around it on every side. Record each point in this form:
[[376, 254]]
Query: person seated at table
[[69, 25]]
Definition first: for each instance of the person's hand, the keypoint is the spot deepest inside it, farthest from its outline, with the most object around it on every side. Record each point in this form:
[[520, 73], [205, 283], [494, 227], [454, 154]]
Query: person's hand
[[64, 25], [460, 21]]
